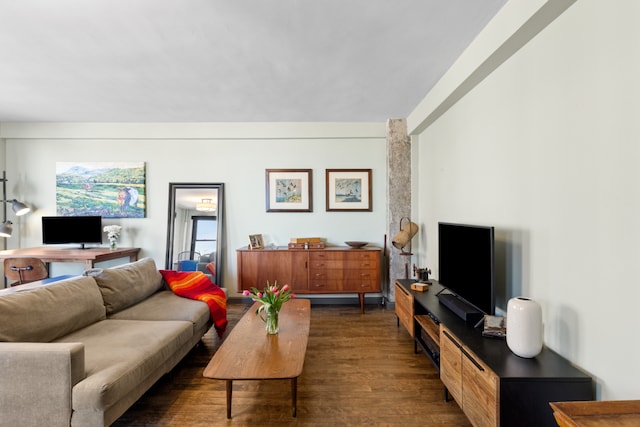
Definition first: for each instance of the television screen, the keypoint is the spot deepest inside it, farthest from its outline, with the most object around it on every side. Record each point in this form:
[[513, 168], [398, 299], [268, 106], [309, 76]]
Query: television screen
[[71, 229], [466, 263]]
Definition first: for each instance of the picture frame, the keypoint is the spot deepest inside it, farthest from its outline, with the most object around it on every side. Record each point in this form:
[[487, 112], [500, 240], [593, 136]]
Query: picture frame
[[256, 241], [288, 190], [349, 190]]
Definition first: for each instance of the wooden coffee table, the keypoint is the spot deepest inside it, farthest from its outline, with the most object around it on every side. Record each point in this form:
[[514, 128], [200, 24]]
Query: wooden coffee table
[[249, 353]]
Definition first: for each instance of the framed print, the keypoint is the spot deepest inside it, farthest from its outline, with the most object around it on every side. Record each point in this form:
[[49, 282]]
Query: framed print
[[255, 241], [288, 190], [107, 189], [349, 190]]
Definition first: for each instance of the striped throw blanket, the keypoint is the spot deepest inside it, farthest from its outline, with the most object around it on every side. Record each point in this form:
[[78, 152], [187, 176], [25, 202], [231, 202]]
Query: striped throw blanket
[[196, 285]]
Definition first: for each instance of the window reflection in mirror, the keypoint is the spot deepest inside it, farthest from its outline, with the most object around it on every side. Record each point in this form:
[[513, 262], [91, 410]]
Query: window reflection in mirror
[[194, 229]]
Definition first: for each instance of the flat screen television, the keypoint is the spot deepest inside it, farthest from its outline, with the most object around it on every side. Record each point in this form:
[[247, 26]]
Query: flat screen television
[[71, 229], [466, 263]]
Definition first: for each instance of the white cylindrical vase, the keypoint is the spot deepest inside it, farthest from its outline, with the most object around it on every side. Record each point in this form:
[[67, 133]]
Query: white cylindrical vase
[[524, 327]]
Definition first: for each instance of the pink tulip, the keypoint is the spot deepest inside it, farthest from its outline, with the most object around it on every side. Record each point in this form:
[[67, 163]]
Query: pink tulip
[[292, 296], [259, 295], [277, 293], [285, 288], [246, 293]]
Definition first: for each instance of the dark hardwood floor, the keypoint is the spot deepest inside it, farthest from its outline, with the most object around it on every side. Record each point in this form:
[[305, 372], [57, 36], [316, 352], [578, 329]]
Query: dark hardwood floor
[[360, 369]]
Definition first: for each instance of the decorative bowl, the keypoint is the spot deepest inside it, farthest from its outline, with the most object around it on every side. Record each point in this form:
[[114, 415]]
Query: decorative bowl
[[357, 245]]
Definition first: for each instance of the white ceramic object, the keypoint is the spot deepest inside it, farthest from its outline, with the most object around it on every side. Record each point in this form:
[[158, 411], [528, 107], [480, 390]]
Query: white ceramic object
[[524, 327]]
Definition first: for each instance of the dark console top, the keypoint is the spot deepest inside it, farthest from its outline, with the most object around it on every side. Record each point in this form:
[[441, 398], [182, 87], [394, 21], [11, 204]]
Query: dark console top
[[493, 351]]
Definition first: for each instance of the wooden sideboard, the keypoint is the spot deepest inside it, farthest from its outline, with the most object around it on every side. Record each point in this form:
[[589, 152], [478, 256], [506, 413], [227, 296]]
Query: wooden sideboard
[[332, 270]]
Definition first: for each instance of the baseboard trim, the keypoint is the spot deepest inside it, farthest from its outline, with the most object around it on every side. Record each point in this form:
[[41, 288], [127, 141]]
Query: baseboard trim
[[333, 299]]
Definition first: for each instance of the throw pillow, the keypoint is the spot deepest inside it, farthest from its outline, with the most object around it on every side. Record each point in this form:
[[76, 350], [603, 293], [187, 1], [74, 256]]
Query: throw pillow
[[126, 285]]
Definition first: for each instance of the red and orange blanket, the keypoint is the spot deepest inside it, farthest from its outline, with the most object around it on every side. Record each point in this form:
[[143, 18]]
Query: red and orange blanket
[[196, 285]]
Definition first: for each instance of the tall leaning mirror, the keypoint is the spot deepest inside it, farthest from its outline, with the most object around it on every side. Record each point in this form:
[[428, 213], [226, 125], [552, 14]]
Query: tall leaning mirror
[[194, 233]]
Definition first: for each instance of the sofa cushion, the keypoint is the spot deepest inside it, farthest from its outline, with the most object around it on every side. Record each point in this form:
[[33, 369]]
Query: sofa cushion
[[128, 284], [165, 305], [119, 354], [50, 312]]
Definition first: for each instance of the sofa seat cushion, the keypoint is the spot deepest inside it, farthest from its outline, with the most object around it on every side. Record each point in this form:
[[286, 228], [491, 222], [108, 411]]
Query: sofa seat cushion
[[50, 312], [120, 354], [128, 284], [165, 305]]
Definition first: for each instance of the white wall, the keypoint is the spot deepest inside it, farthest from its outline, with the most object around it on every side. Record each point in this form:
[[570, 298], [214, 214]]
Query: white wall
[[546, 149], [212, 155]]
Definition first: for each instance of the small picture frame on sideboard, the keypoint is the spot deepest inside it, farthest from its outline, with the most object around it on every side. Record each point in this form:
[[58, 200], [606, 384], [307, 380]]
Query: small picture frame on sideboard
[[255, 241]]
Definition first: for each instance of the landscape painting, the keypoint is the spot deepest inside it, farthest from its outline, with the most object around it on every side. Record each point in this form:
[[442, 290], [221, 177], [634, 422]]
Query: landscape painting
[[108, 189]]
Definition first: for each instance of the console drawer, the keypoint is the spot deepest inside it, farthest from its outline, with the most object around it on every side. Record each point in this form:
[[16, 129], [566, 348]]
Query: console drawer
[[404, 309]]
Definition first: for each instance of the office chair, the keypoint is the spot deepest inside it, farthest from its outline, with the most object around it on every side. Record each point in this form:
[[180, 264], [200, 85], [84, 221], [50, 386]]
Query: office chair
[[24, 270]]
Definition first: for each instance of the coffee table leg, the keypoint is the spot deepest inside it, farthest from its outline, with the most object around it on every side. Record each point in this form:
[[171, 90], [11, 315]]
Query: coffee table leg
[[294, 395], [229, 391]]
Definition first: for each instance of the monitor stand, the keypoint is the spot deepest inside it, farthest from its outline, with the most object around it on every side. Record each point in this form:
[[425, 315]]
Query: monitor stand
[[463, 310]]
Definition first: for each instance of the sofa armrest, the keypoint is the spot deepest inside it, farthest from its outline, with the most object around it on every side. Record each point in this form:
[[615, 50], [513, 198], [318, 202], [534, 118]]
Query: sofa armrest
[[36, 382]]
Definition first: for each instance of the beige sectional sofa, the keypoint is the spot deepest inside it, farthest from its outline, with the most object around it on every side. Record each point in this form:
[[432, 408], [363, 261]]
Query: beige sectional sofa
[[81, 351]]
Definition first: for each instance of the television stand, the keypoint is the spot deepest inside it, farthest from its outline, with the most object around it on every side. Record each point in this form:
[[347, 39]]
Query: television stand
[[492, 385], [463, 310]]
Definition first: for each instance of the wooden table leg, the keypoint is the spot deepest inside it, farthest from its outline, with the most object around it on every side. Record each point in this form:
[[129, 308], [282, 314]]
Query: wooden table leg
[[229, 391], [294, 395]]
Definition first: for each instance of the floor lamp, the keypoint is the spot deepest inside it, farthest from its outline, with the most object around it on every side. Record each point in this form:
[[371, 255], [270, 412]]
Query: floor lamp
[[6, 228]]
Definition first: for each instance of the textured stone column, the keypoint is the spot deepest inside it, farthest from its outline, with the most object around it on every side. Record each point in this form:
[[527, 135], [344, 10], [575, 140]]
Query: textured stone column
[[398, 197]]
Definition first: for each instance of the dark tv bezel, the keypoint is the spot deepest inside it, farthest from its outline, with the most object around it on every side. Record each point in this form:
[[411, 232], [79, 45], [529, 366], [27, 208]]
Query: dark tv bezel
[[60, 238], [461, 290]]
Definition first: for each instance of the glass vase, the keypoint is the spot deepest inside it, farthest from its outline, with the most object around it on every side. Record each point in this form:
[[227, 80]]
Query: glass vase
[[272, 321], [113, 244]]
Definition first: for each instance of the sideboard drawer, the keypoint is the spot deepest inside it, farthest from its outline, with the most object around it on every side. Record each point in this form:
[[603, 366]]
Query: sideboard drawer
[[324, 264], [325, 256], [324, 285]]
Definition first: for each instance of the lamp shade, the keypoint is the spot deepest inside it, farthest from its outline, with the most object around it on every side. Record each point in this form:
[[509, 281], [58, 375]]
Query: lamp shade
[[6, 228], [19, 208], [405, 235]]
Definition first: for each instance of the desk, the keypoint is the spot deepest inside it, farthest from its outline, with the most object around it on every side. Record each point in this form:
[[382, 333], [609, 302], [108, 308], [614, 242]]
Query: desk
[[89, 256]]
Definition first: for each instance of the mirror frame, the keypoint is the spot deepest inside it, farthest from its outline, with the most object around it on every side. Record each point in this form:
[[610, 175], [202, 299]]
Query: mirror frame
[[173, 187]]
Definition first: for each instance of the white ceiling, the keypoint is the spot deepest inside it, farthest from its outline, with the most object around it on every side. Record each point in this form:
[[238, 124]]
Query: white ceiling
[[228, 60]]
